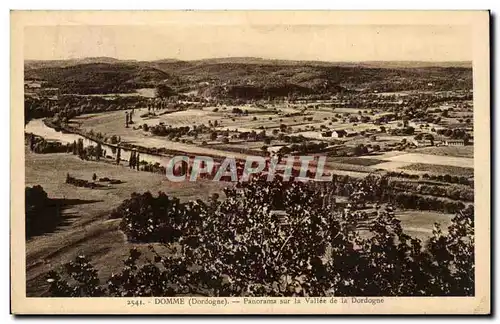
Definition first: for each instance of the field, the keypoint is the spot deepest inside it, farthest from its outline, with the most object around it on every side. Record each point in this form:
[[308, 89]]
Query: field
[[441, 169], [419, 223], [433, 159], [355, 160], [454, 151], [422, 163], [87, 230]]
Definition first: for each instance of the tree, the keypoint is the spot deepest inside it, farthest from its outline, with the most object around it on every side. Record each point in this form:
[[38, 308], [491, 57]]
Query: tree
[[31, 141], [41, 214], [164, 91], [360, 149], [430, 138], [118, 155], [98, 151], [405, 122], [80, 149], [466, 138], [131, 161], [75, 148]]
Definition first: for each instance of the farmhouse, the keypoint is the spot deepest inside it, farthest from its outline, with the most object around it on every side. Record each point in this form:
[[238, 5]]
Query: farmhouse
[[422, 143], [334, 133], [454, 142]]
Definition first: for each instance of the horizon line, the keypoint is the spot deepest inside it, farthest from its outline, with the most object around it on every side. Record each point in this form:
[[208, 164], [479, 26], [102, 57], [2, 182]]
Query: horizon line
[[240, 57]]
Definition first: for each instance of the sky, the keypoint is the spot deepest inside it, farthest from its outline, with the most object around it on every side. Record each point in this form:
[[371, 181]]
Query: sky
[[333, 43]]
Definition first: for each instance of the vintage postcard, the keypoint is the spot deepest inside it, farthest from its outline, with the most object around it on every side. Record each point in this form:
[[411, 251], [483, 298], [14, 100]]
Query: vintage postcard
[[250, 162]]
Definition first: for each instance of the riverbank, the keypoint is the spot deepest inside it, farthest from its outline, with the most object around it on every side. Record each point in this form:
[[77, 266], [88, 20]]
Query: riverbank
[[159, 152]]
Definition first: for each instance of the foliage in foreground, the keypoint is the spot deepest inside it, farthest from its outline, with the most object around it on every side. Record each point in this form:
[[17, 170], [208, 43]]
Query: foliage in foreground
[[42, 214], [312, 247]]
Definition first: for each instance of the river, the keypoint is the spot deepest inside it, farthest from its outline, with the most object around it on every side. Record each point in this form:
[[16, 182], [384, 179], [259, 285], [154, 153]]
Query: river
[[38, 127]]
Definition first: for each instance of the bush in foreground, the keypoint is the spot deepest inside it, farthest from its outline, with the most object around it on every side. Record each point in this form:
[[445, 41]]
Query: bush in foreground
[[242, 246], [41, 214]]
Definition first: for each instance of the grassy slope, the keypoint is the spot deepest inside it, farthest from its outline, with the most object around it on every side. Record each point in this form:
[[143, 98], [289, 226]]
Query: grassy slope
[[88, 231]]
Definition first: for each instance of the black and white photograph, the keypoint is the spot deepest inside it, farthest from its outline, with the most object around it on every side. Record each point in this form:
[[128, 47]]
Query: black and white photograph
[[209, 160]]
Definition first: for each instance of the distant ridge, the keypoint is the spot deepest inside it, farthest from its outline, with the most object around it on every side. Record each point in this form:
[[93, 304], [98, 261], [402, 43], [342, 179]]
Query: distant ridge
[[252, 60], [246, 77]]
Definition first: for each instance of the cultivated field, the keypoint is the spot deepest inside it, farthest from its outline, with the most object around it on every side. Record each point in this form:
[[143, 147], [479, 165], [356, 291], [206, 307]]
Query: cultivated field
[[432, 159], [440, 169], [453, 151], [419, 224]]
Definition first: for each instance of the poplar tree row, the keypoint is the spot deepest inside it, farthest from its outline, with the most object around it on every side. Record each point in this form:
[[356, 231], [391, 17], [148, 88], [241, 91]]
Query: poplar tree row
[[134, 160]]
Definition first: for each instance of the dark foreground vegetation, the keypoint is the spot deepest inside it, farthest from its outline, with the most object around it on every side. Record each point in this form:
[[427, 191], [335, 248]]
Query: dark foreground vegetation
[[42, 214], [45, 214], [279, 239]]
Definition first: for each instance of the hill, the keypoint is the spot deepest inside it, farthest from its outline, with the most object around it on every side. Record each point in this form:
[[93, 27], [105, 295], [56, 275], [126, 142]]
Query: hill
[[98, 78], [248, 77]]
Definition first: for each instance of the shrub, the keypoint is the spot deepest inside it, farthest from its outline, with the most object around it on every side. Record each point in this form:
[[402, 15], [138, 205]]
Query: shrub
[[307, 247], [41, 213]]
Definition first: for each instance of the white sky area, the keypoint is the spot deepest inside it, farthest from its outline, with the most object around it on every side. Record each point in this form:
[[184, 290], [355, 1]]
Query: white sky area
[[288, 42]]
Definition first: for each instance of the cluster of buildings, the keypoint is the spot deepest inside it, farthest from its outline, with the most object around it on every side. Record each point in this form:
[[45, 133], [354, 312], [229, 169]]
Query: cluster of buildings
[[438, 142]]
